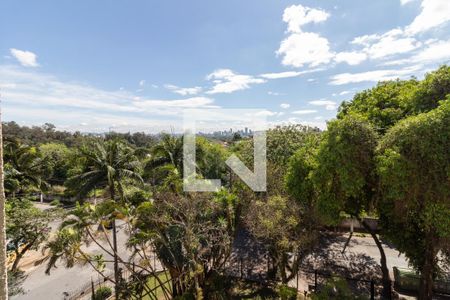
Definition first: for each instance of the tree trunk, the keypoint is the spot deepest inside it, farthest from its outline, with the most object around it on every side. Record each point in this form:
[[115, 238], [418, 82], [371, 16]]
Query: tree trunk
[[282, 266], [426, 274], [19, 256], [386, 293], [116, 262], [3, 257], [117, 278]]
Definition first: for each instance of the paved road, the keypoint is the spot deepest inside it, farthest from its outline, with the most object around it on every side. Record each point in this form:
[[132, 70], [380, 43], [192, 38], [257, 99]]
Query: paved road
[[39, 286], [364, 246], [360, 260]]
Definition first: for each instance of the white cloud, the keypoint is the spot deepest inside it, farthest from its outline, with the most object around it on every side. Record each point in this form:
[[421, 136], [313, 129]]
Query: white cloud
[[274, 93], [298, 15], [193, 102], [403, 2], [285, 105], [392, 42], [87, 121], [304, 112], [183, 91], [37, 90], [266, 113], [345, 93], [351, 58], [288, 74], [25, 58], [329, 105], [142, 83], [280, 75], [374, 76], [310, 49], [305, 48], [402, 40], [435, 52], [434, 13], [227, 81]]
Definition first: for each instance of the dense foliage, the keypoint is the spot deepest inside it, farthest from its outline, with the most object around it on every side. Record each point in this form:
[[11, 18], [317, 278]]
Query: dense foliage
[[390, 101], [414, 166], [386, 155]]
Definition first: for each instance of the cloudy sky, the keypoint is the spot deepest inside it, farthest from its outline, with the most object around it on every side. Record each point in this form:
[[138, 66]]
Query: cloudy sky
[[135, 65]]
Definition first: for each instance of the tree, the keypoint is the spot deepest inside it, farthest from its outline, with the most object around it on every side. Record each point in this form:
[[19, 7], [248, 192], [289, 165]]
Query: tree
[[282, 143], [298, 179], [299, 182], [168, 151], [391, 101], [88, 224], [164, 168], [27, 228], [414, 167], [277, 222], [24, 168], [345, 177], [40, 134], [211, 161], [59, 158], [111, 165], [383, 105], [434, 88], [191, 234], [3, 257]]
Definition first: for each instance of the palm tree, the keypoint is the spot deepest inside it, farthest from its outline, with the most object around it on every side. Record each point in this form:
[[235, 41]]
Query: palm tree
[[169, 151], [111, 165], [24, 167], [165, 166], [108, 164], [3, 272]]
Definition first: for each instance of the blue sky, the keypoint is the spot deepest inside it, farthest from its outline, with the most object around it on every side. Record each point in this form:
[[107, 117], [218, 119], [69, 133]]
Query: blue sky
[[135, 65]]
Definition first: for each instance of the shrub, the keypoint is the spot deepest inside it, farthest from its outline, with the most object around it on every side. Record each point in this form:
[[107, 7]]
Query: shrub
[[287, 293], [335, 288], [55, 203], [103, 293]]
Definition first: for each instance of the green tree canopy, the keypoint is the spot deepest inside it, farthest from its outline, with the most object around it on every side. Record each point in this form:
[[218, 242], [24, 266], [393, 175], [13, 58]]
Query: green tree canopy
[[27, 227], [345, 177], [25, 168], [390, 101], [414, 167], [278, 223], [298, 178], [111, 164], [59, 159]]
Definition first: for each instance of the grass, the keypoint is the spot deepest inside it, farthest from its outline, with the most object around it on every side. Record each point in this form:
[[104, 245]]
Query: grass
[[153, 283]]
